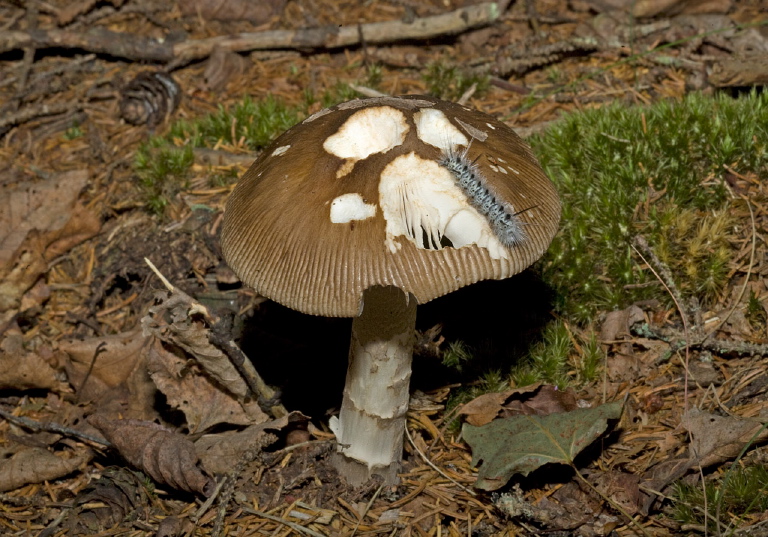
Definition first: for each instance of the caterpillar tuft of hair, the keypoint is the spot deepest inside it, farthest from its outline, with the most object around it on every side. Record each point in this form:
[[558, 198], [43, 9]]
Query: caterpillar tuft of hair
[[504, 221]]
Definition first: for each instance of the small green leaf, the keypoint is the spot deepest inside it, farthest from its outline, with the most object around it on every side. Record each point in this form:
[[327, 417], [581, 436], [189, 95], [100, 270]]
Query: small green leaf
[[521, 444]]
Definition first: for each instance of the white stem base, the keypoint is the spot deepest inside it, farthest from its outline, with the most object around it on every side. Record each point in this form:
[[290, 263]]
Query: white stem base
[[371, 423]]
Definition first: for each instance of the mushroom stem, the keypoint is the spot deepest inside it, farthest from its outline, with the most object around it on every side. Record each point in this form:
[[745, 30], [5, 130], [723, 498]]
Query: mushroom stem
[[372, 418]]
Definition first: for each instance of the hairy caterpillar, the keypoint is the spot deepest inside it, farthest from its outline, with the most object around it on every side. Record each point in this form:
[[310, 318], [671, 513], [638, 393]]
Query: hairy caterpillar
[[502, 218]]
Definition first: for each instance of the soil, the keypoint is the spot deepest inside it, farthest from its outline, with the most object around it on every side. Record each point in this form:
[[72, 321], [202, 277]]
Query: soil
[[76, 285]]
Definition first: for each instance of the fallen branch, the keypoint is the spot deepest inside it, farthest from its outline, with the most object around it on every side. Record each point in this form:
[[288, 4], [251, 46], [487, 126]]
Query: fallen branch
[[136, 47], [51, 427], [33, 112]]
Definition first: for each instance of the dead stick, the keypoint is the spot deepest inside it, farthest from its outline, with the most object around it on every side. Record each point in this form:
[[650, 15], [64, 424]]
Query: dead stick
[[137, 47], [450, 23], [51, 428], [32, 112], [120, 45]]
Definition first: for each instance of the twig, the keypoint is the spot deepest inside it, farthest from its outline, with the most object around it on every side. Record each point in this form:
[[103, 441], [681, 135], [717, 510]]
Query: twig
[[209, 501], [663, 275], [52, 428], [99, 349], [366, 91], [168, 285], [136, 47], [467, 95], [329, 37], [32, 112]]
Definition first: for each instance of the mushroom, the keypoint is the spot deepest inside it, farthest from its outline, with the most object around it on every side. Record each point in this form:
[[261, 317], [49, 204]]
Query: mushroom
[[375, 205]]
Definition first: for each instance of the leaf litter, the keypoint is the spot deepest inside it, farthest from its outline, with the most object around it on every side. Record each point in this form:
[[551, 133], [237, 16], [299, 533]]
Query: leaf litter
[[71, 307]]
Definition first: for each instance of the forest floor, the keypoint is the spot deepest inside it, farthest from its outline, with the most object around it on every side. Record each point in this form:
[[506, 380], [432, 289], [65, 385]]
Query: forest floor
[[103, 371]]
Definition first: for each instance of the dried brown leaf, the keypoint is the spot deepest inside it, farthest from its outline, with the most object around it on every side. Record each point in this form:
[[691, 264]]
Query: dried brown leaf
[[36, 205], [22, 271], [546, 400], [111, 371], [39, 220], [22, 370], [220, 452], [536, 399], [621, 487], [617, 323], [192, 336], [110, 359], [186, 387], [165, 456], [35, 465], [484, 408], [83, 224], [717, 439]]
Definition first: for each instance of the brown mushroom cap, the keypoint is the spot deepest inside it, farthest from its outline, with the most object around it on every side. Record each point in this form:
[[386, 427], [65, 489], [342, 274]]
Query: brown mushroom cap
[[370, 192]]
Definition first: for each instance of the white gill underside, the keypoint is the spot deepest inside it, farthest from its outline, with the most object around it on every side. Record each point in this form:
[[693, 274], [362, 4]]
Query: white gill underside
[[421, 201]]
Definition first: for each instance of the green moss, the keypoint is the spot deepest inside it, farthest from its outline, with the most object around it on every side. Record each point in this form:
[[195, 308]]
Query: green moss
[[591, 359], [374, 75], [756, 314], [623, 171], [548, 360], [457, 355], [162, 172], [224, 178], [741, 492], [695, 245], [450, 82], [73, 132], [162, 163], [254, 123]]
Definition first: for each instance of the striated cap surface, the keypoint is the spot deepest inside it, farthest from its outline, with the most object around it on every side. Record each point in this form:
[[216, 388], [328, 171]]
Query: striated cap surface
[[415, 192]]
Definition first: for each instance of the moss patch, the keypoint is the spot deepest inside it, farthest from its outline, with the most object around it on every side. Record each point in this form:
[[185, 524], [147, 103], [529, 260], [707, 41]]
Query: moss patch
[[657, 171]]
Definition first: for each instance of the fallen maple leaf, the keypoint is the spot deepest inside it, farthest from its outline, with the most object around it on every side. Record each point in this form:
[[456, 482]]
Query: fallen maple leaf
[[521, 444]]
